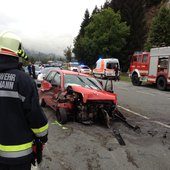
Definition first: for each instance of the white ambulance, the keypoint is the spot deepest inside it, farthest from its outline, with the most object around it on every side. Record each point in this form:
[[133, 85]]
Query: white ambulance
[[107, 68]]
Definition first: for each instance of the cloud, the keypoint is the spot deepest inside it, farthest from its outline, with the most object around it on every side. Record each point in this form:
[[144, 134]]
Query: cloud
[[45, 25]]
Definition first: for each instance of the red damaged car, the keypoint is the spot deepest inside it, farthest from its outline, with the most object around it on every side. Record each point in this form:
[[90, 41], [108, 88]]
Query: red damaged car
[[77, 96]]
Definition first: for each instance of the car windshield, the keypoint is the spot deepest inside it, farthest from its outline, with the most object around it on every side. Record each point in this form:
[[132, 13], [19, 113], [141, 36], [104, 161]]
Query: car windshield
[[111, 65], [78, 80]]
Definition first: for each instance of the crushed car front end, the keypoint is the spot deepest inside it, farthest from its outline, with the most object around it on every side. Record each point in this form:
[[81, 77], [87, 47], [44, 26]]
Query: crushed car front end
[[90, 106]]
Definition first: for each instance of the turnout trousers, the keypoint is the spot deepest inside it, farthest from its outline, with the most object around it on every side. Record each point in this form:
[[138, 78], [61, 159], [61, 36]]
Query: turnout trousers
[[25, 166]]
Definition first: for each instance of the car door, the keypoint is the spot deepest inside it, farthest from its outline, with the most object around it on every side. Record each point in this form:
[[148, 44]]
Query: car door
[[46, 88], [55, 90]]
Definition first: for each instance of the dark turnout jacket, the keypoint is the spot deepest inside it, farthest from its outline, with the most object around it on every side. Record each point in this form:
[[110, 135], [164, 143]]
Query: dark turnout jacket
[[21, 117]]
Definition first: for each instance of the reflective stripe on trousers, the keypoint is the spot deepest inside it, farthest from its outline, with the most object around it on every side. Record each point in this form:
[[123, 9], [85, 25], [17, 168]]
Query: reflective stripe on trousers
[[15, 154], [15, 151]]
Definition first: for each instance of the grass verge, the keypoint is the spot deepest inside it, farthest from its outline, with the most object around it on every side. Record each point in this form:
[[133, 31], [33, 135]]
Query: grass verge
[[125, 77]]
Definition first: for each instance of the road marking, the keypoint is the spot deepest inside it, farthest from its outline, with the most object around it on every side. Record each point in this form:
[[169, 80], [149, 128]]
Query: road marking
[[146, 93], [159, 123], [162, 94], [121, 88], [145, 117], [135, 113]]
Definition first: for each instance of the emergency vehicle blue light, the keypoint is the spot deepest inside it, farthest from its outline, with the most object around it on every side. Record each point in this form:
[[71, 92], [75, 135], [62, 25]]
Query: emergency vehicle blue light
[[81, 64], [100, 57]]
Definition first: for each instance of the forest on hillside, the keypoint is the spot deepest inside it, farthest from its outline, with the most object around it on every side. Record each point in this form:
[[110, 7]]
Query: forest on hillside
[[35, 56]]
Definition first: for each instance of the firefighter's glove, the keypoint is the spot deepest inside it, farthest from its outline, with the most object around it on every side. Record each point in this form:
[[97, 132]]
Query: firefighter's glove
[[37, 151], [43, 139], [33, 161]]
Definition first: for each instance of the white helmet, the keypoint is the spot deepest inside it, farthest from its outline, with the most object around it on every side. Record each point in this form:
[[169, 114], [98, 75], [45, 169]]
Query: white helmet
[[10, 44]]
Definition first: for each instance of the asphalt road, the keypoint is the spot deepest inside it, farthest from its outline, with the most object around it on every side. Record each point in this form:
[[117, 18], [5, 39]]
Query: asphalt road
[[145, 101], [78, 147]]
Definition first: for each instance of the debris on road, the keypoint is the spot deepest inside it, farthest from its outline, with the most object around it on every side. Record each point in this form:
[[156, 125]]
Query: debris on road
[[118, 115], [118, 137], [152, 132]]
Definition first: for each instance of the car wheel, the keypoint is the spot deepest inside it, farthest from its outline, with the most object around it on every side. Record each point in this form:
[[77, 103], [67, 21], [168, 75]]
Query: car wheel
[[135, 80], [161, 83], [61, 115], [42, 102]]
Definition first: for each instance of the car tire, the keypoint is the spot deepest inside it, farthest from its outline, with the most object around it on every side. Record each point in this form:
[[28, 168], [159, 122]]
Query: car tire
[[161, 83], [61, 115], [135, 80], [42, 102]]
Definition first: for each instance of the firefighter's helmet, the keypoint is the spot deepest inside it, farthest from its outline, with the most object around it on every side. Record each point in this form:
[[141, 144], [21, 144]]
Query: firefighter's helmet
[[10, 44]]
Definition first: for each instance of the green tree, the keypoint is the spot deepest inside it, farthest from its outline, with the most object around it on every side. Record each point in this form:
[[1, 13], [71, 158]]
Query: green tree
[[160, 29], [68, 53], [152, 2], [133, 13], [104, 35], [95, 10], [78, 49]]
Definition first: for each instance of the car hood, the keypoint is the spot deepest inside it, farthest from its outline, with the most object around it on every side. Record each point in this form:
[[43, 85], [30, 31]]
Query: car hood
[[92, 94]]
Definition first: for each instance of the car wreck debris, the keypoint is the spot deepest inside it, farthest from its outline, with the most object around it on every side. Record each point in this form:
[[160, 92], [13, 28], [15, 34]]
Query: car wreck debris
[[118, 115], [87, 112], [118, 137]]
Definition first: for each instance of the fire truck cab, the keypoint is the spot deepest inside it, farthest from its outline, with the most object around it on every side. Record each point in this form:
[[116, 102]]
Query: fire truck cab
[[152, 67]]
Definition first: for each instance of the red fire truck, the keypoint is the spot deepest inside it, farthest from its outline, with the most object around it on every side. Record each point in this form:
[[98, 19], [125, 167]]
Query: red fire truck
[[152, 67]]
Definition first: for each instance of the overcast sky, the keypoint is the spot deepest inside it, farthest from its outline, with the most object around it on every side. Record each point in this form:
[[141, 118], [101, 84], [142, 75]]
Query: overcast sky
[[45, 25]]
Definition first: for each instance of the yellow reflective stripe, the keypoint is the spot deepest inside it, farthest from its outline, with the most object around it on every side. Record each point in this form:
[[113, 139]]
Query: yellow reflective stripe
[[14, 148], [22, 55], [25, 57], [15, 154], [19, 51], [40, 130]]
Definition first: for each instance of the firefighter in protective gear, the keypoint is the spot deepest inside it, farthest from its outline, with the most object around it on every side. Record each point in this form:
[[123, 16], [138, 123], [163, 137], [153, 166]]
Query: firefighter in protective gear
[[21, 117]]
